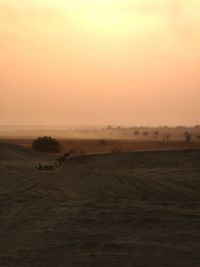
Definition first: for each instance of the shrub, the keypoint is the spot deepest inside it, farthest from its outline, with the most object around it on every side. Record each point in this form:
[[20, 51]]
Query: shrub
[[58, 163], [46, 144], [136, 132], [156, 133]]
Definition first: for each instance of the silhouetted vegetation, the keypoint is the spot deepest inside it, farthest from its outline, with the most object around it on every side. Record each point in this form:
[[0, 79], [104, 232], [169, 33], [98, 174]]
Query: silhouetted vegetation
[[156, 133], [145, 133], [188, 137], [47, 144], [136, 132], [166, 137], [58, 163]]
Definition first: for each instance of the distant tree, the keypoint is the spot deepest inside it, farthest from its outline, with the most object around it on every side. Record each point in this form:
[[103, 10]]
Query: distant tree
[[136, 133], [188, 137], [156, 133], [167, 137], [47, 144]]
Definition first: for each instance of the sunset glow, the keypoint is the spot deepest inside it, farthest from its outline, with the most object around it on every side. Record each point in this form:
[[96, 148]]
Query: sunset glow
[[119, 62]]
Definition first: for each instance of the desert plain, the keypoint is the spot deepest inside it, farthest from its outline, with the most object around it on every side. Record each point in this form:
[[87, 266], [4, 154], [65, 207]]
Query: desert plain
[[137, 208]]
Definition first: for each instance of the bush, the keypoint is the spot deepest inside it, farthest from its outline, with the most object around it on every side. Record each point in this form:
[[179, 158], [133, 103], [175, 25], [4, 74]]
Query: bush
[[58, 163], [136, 132], [46, 144]]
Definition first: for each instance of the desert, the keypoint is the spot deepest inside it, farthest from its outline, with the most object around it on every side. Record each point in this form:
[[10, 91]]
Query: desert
[[131, 209], [99, 133]]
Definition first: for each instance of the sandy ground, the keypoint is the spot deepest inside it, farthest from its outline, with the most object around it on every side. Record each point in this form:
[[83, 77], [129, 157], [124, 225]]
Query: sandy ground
[[81, 146], [122, 209]]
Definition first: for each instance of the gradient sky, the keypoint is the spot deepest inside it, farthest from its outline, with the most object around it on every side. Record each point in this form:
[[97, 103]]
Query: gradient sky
[[76, 62]]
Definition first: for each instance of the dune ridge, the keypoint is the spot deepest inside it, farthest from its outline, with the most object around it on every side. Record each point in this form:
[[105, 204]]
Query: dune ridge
[[164, 175]]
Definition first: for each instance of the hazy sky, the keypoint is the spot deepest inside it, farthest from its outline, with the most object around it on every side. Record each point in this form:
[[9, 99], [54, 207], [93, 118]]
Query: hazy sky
[[77, 62]]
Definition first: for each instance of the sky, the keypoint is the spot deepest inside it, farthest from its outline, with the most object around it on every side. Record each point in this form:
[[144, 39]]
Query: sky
[[99, 62]]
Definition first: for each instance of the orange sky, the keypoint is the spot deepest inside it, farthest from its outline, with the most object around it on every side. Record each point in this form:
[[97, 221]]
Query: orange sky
[[77, 62]]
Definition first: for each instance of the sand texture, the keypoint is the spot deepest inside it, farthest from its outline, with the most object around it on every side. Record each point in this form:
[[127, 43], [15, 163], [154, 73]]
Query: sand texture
[[138, 209]]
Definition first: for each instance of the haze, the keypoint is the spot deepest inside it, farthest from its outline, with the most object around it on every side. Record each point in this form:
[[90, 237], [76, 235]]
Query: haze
[[99, 62]]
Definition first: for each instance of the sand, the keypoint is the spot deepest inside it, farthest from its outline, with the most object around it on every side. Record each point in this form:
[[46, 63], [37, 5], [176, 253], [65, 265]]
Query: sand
[[120, 209], [95, 146]]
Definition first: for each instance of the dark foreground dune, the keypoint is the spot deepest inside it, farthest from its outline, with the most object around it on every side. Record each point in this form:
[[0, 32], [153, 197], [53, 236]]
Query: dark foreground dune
[[121, 209]]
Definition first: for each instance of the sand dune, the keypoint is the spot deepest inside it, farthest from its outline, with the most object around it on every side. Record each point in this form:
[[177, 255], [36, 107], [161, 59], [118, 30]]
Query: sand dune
[[16, 154], [131, 209]]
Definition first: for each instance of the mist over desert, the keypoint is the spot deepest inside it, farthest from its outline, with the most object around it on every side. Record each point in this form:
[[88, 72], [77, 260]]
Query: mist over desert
[[99, 133]]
